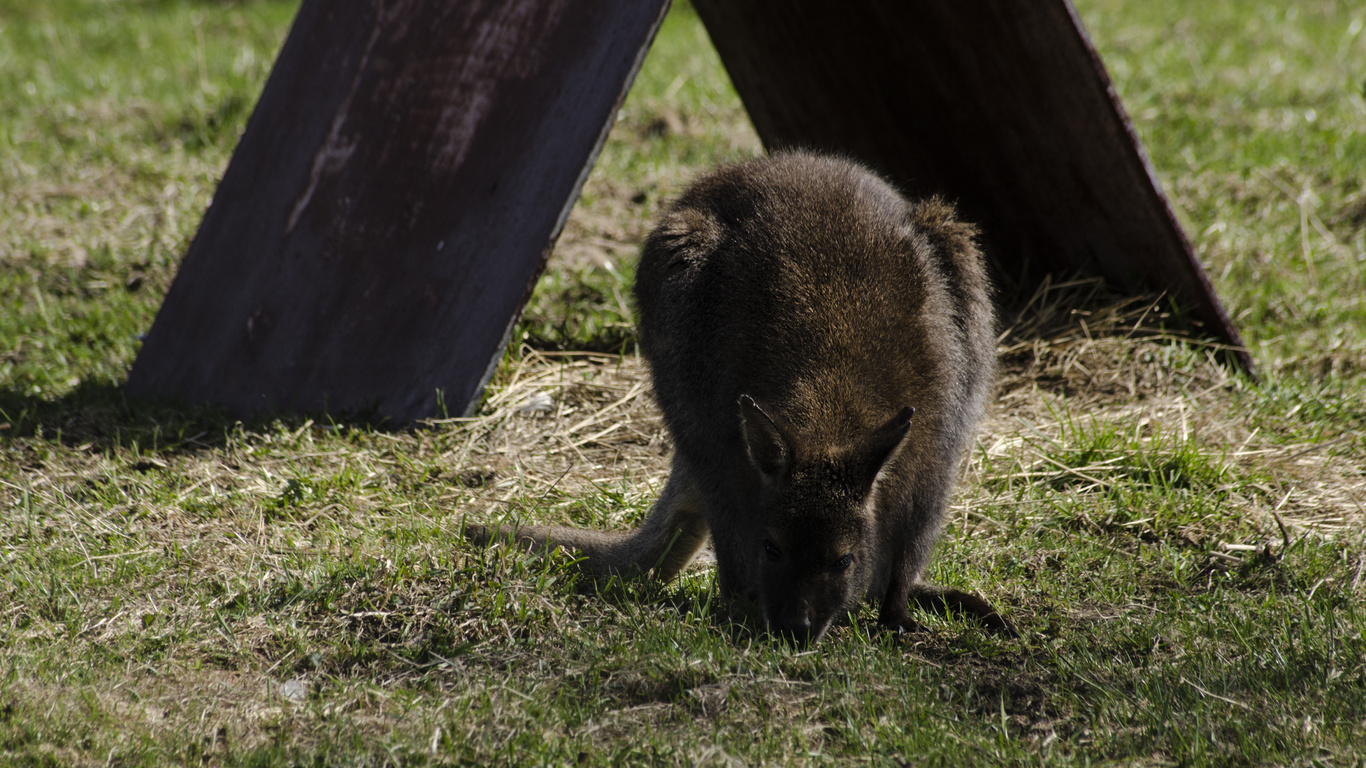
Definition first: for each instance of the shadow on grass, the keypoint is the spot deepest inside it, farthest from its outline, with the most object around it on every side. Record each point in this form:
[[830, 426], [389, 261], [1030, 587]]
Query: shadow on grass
[[104, 416]]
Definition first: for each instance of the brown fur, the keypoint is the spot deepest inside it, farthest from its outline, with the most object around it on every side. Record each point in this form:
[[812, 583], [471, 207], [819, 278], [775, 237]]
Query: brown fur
[[821, 349]]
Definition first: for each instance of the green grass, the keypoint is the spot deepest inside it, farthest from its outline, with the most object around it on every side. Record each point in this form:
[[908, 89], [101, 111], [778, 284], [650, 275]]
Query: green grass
[[1180, 547], [119, 118]]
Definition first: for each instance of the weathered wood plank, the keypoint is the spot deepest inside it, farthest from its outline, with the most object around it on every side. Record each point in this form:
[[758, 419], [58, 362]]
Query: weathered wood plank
[[391, 203], [1001, 106]]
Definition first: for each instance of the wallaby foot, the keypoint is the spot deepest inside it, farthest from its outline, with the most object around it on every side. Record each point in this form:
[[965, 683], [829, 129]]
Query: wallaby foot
[[932, 597]]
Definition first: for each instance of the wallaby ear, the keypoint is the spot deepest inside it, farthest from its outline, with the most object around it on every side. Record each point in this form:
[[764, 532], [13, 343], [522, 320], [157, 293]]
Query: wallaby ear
[[768, 449], [684, 234], [878, 445]]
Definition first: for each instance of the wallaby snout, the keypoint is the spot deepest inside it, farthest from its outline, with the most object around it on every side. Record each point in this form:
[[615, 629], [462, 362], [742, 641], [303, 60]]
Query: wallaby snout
[[793, 621]]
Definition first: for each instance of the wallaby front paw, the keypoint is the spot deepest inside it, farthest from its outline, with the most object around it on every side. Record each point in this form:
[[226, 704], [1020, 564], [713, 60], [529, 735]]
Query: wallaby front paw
[[899, 622]]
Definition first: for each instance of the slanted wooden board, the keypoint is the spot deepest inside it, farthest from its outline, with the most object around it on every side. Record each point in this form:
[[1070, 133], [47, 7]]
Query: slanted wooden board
[[391, 203], [1002, 106]]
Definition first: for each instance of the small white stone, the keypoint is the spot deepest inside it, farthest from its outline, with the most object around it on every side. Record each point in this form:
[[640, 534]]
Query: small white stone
[[537, 402]]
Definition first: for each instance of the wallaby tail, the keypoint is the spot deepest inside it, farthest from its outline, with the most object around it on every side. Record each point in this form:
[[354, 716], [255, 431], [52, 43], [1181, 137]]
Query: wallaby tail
[[663, 544]]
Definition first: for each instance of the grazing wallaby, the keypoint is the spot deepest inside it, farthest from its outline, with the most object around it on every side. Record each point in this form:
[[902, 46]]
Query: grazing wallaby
[[821, 349]]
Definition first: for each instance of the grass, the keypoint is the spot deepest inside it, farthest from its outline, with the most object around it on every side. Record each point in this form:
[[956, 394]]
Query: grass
[[1182, 548]]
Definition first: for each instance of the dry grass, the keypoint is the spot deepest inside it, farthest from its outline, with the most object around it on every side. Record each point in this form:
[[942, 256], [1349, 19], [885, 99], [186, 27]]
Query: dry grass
[[1076, 350]]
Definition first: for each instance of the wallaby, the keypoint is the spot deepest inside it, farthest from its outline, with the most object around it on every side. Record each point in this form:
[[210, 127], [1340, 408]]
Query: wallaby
[[821, 349]]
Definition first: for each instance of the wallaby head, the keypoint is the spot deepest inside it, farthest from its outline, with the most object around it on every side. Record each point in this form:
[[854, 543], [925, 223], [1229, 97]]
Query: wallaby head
[[818, 543]]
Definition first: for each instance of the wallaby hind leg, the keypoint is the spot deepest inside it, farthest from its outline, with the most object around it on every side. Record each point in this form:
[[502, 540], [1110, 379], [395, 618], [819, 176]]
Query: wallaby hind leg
[[663, 544]]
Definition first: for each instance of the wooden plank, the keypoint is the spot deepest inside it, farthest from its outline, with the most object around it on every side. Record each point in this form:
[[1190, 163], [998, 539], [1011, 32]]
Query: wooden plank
[[1002, 106], [391, 203]]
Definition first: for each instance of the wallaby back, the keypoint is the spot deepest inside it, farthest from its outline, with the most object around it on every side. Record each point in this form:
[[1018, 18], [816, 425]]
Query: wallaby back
[[821, 349]]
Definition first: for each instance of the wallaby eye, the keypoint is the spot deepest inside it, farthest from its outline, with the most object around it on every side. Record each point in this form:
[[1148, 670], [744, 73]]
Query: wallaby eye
[[841, 565], [772, 550]]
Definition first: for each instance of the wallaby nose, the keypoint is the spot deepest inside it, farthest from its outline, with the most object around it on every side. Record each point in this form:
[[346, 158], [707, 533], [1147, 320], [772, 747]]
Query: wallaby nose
[[794, 623], [798, 633]]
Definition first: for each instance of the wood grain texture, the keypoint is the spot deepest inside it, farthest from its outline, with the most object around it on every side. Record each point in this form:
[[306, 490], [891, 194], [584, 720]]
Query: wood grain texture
[[391, 203], [1002, 106]]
